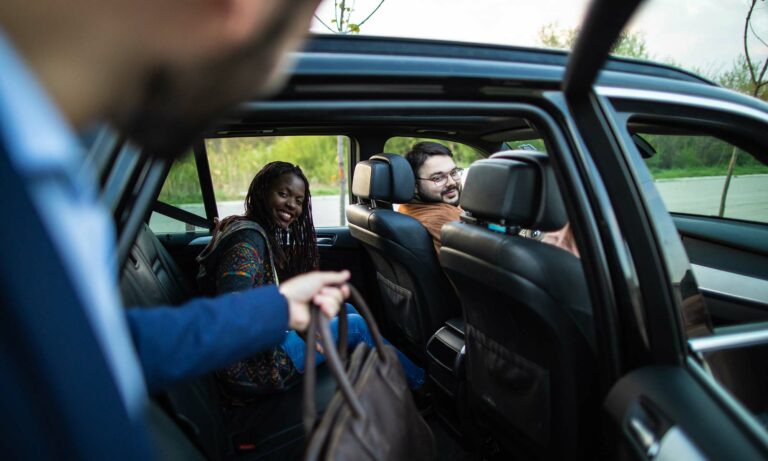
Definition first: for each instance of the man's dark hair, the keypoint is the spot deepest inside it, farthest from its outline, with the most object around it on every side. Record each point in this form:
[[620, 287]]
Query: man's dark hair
[[421, 151]]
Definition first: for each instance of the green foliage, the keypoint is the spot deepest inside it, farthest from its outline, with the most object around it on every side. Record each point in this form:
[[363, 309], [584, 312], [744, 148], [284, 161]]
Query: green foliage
[[235, 161], [553, 36], [690, 156], [463, 155], [182, 185], [737, 78], [342, 18], [632, 45], [537, 144], [739, 170], [629, 44]]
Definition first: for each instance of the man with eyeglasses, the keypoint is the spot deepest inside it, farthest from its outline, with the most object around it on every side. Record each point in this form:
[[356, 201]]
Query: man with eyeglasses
[[438, 187]]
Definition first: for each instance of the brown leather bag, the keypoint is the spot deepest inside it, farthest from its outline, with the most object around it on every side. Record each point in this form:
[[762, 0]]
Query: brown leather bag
[[372, 415]]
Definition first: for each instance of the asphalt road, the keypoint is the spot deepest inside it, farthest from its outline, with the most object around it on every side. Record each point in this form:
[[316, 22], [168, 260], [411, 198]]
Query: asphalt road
[[747, 196], [747, 199]]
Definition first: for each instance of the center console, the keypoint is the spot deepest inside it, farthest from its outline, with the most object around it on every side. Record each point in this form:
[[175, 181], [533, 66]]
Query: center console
[[445, 351]]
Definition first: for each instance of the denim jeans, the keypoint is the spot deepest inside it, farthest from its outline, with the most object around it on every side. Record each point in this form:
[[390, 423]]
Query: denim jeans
[[295, 347]]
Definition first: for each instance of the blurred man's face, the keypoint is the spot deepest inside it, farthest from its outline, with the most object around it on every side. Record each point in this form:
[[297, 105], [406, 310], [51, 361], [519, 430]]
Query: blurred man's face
[[182, 93]]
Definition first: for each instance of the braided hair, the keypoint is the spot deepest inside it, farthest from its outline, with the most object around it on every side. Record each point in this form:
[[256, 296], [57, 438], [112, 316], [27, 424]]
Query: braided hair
[[294, 250]]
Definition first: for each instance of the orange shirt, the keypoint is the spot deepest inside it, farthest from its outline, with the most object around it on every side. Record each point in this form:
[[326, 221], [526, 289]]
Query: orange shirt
[[432, 216]]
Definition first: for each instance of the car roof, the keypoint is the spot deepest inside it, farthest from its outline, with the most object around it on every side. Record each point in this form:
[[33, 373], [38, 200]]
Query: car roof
[[332, 71], [550, 62]]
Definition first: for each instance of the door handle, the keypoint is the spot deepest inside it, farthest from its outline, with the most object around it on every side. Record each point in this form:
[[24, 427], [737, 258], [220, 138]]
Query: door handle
[[326, 241], [645, 436], [647, 427]]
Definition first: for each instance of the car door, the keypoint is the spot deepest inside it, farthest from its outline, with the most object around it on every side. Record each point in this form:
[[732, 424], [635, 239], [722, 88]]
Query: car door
[[722, 219], [680, 389]]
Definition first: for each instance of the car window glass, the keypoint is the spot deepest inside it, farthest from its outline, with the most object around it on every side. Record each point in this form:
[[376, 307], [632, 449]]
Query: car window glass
[[692, 175], [463, 155], [182, 190], [235, 161]]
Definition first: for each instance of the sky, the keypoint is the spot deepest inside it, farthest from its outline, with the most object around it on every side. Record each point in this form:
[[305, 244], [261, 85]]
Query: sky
[[699, 34]]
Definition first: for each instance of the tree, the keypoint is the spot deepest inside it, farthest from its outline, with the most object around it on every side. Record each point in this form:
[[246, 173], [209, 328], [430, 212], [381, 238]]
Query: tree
[[342, 23], [753, 82], [629, 44]]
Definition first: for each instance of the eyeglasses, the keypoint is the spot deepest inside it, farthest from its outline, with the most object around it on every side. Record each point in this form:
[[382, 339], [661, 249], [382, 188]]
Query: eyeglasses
[[441, 179]]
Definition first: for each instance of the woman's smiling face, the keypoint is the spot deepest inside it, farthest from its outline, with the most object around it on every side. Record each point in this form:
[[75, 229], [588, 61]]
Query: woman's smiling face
[[286, 199]]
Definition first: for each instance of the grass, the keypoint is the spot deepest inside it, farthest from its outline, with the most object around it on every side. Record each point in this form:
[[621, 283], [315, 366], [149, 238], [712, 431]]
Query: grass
[[695, 172]]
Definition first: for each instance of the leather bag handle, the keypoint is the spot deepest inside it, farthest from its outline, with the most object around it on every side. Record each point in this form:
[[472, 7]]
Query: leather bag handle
[[334, 356]]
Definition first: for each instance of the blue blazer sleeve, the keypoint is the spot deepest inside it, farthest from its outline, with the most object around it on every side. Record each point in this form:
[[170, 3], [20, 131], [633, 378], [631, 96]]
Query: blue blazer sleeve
[[206, 334]]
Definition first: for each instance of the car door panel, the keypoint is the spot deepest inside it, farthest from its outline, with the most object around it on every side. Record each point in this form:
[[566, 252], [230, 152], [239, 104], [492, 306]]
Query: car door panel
[[665, 412], [730, 261]]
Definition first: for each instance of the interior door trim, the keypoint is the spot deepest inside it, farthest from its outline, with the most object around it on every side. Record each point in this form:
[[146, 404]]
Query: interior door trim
[[724, 283], [752, 426], [734, 337]]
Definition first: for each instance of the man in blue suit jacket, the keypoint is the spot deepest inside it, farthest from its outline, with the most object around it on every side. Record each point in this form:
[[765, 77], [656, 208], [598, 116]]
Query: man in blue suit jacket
[[73, 371]]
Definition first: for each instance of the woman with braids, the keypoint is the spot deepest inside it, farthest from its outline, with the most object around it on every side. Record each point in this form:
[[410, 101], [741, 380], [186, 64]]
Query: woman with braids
[[274, 240]]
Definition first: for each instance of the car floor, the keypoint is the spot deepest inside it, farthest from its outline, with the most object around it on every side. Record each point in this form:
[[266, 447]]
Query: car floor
[[448, 447]]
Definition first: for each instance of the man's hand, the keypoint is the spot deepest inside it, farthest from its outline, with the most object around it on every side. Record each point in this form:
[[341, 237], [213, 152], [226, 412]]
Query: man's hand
[[325, 289]]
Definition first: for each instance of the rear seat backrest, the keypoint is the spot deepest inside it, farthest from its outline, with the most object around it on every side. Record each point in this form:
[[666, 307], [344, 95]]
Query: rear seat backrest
[[150, 276]]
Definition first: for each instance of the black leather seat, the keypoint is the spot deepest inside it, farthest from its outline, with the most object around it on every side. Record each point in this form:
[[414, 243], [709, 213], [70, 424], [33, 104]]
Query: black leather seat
[[270, 427], [529, 331], [416, 296]]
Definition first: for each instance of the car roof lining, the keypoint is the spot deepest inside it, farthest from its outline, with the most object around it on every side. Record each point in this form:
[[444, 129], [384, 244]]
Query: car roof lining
[[484, 132]]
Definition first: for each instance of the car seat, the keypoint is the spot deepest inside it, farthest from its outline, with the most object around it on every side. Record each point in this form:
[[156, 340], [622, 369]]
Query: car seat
[[529, 332], [417, 297]]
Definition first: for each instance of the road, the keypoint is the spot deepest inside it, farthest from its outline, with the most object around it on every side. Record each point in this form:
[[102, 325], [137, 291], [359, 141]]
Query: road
[[747, 199], [747, 196]]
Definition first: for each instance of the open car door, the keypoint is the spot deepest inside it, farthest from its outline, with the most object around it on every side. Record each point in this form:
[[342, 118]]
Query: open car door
[[666, 397]]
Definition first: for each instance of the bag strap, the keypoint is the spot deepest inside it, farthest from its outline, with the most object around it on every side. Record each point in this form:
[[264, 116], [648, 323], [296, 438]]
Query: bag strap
[[333, 356], [343, 341]]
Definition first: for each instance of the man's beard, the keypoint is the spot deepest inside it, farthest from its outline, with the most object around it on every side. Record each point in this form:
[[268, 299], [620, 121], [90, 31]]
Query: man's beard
[[421, 196], [179, 104]]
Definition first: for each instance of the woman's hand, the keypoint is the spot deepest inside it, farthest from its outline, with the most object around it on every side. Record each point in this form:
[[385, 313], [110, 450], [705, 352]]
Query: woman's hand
[[325, 289]]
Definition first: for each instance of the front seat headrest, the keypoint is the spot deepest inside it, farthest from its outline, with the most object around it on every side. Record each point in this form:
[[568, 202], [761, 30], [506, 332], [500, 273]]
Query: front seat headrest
[[516, 187], [384, 177]]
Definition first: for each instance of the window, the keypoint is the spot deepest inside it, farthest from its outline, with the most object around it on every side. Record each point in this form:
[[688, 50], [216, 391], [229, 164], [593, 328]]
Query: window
[[691, 174], [181, 190], [235, 161]]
